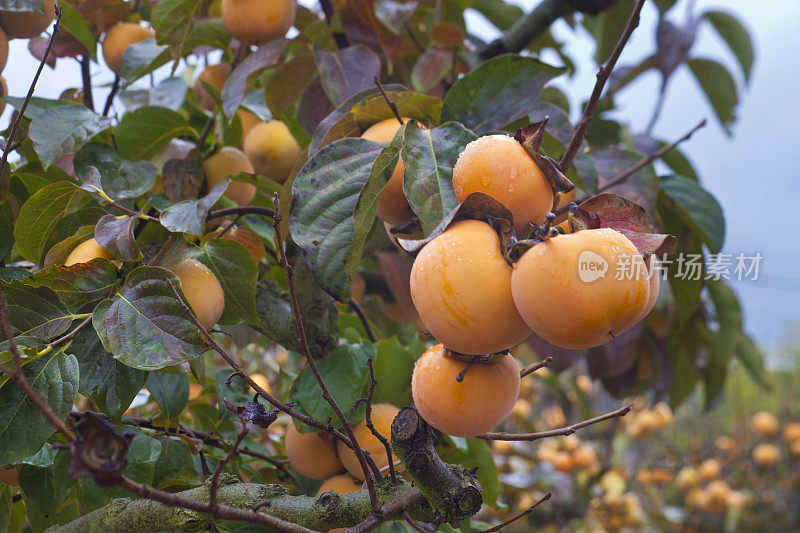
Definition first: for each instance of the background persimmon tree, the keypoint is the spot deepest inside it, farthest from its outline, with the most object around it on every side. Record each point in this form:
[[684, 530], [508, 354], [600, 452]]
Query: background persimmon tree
[[113, 384]]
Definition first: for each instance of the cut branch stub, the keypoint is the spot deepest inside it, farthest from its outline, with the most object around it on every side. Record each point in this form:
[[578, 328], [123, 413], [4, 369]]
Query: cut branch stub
[[452, 491], [476, 206], [530, 137]]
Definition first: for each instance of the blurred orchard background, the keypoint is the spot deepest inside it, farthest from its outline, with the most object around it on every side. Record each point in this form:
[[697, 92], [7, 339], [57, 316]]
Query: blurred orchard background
[[725, 467]]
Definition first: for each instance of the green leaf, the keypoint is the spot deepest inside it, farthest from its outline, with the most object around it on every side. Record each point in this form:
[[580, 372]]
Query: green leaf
[[429, 156], [346, 374], [207, 32], [173, 21], [697, 208], [104, 380], [36, 104], [143, 454], [120, 178], [477, 454], [238, 392], [498, 92], [48, 492], [175, 466], [170, 391], [335, 197], [23, 429], [141, 59], [499, 12], [59, 252], [80, 286], [394, 365], [237, 272], [6, 230], [78, 27], [719, 88], [35, 311], [143, 133], [752, 360], [63, 130], [40, 215], [144, 325], [189, 216], [736, 36]]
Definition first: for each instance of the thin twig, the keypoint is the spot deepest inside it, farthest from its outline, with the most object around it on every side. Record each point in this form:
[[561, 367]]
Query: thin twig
[[86, 78], [18, 375], [71, 334], [602, 78], [214, 484], [568, 430], [516, 517], [21, 113], [242, 210], [359, 311], [328, 11], [416, 525], [391, 104], [356, 447], [111, 96], [662, 97], [209, 125], [368, 420], [533, 368], [623, 176], [388, 511], [224, 512]]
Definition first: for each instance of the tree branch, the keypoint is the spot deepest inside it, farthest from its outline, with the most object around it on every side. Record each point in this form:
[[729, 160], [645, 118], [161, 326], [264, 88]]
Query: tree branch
[[86, 78], [533, 368], [528, 28], [111, 96], [516, 517], [602, 78], [568, 430]]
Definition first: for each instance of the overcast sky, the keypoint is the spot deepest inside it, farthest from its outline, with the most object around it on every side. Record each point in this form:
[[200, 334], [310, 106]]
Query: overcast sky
[[753, 173]]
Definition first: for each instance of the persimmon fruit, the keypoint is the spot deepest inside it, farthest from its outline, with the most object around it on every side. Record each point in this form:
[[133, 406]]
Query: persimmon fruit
[[765, 424], [118, 38], [86, 251], [202, 290], [230, 161], [564, 306], [214, 76], [499, 166], [382, 416], [393, 207], [272, 148], [791, 432], [310, 455], [256, 21], [461, 287], [342, 483], [27, 24], [477, 404], [766, 455]]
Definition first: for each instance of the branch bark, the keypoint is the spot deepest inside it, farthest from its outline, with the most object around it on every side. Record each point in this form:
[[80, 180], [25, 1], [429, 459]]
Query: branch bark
[[528, 28], [567, 430]]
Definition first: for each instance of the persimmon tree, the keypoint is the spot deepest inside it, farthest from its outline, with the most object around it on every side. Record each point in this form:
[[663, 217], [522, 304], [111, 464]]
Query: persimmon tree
[[323, 207]]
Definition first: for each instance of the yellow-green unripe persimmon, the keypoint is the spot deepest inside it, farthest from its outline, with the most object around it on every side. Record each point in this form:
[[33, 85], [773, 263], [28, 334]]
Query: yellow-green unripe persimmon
[[499, 166], [214, 76], [310, 455], [119, 37], [272, 148], [230, 161], [258, 21], [27, 24], [477, 404], [382, 416], [202, 290], [393, 207], [86, 251], [461, 287], [569, 290]]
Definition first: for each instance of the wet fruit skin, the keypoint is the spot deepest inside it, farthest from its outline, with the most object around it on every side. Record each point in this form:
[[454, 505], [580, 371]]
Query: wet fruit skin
[[272, 149], [86, 251], [257, 21], [202, 291], [393, 207], [230, 161], [565, 310], [310, 455], [214, 76], [461, 287], [477, 404], [118, 38], [27, 24], [382, 416], [499, 166]]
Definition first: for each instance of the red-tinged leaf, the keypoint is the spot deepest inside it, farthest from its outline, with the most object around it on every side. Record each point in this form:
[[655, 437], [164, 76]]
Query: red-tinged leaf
[[431, 67], [618, 213], [396, 268], [37, 47], [651, 243], [346, 72], [363, 27], [235, 87], [116, 234]]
